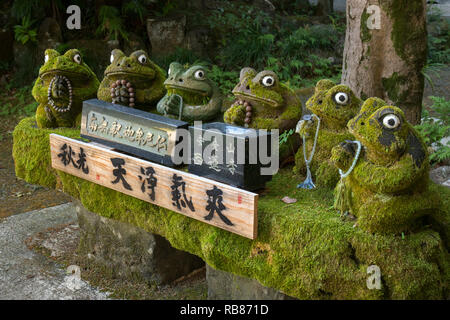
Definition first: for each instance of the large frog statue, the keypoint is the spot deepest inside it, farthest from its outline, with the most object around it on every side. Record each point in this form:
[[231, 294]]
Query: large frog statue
[[200, 97], [388, 188], [263, 102], [335, 105], [133, 81], [64, 82]]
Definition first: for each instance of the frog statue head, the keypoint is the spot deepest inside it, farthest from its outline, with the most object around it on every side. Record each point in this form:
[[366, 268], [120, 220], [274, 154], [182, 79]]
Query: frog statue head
[[334, 104], [64, 82], [190, 92], [263, 102], [386, 134], [133, 81]]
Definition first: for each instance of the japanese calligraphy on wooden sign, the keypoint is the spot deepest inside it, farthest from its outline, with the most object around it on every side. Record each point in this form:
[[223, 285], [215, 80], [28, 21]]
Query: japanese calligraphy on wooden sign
[[147, 135], [212, 202]]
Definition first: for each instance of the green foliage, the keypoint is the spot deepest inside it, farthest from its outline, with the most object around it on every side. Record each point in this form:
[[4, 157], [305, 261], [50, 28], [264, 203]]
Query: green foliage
[[226, 80], [431, 68], [135, 8], [433, 130], [28, 8], [181, 55], [251, 37], [111, 23], [24, 32], [438, 38], [18, 102]]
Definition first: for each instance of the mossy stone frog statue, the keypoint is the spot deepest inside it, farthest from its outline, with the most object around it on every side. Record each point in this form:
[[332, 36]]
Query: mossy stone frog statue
[[64, 82], [133, 81], [335, 105], [200, 100], [388, 189], [263, 102]]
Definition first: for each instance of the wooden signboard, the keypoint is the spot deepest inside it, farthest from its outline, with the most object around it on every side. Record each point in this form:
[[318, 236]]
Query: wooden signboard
[[209, 201], [137, 132]]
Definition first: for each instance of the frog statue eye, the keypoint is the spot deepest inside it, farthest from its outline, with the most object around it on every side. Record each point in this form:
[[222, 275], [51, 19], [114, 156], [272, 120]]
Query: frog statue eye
[[142, 59], [111, 58], [77, 58], [341, 98], [46, 58], [391, 121], [199, 74], [268, 81]]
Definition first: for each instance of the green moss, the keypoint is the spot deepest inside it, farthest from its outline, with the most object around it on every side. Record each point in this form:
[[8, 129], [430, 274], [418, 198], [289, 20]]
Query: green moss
[[366, 36], [303, 249], [404, 31], [395, 87]]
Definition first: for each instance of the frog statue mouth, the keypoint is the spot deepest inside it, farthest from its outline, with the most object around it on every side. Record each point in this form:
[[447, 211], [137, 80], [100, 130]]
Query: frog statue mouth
[[60, 90], [253, 99]]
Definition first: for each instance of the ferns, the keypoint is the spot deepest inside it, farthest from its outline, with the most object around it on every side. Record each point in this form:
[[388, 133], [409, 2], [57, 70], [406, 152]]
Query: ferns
[[435, 126], [111, 23]]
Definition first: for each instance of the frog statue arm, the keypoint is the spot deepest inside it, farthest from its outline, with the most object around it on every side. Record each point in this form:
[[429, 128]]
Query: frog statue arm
[[236, 115], [39, 91], [104, 91], [170, 104]]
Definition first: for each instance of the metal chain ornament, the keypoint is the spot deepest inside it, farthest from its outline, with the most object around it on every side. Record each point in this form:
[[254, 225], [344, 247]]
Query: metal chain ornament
[[308, 183]]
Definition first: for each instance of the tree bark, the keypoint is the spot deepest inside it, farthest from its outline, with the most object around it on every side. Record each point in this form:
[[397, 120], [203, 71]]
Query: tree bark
[[387, 62]]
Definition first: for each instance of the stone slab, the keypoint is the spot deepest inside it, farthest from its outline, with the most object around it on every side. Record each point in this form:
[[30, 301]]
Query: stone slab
[[227, 286], [25, 274], [130, 252]]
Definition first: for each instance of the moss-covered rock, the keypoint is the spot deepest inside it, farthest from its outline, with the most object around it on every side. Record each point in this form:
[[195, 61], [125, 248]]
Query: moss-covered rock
[[303, 249]]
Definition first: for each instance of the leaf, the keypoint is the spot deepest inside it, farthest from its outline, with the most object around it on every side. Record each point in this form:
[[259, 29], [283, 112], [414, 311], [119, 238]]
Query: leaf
[[289, 200]]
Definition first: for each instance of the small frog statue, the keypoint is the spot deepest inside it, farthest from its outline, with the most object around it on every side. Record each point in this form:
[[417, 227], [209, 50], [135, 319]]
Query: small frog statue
[[133, 81], [332, 107], [263, 102], [387, 188], [64, 82], [191, 94]]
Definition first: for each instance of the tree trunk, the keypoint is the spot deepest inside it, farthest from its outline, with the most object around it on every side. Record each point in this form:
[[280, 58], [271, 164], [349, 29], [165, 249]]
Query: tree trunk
[[386, 60]]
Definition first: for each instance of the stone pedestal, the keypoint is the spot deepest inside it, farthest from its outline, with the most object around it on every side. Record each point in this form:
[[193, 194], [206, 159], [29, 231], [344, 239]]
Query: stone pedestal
[[227, 286], [128, 252]]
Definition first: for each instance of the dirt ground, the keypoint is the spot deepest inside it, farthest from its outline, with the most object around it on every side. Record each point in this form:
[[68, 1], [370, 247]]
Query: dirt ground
[[16, 195]]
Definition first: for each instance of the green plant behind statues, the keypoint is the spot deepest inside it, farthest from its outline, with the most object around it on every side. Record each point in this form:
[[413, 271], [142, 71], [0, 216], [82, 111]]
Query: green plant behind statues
[[64, 82], [133, 81], [335, 105], [191, 94], [388, 188]]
